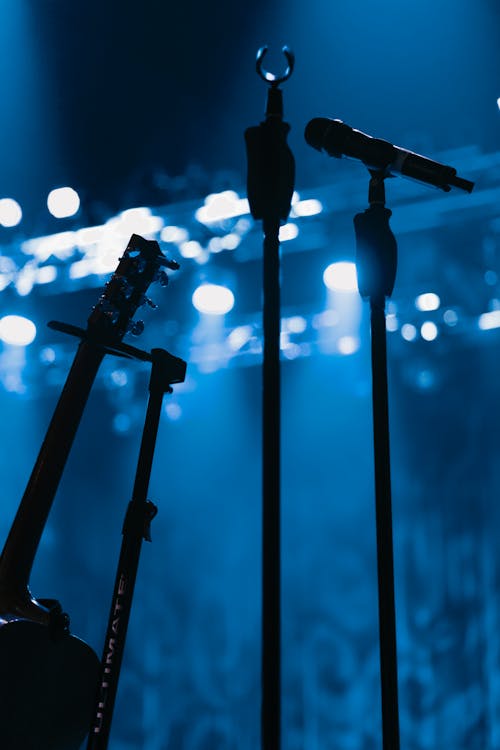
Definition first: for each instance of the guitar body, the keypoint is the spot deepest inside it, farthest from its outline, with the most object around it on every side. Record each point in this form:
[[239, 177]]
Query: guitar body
[[47, 688]]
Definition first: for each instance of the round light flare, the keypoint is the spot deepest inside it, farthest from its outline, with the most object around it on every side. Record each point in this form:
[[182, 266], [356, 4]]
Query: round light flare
[[63, 202], [427, 302], [16, 330], [408, 332], [10, 212], [341, 277], [213, 299], [429, 331], [348, 345]]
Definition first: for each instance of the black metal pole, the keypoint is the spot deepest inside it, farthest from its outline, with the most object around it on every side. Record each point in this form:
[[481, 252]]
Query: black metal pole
[[383, 519], [271, 486], [271, 172], [166, 370], [376, 259]]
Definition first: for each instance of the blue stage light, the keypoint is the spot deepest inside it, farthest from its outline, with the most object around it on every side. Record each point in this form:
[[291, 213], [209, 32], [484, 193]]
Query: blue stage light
[[213, 299], [341, 277], [427, 302], [408, 332], [429, 331], [63, 202], [10, 212], [16, 330]]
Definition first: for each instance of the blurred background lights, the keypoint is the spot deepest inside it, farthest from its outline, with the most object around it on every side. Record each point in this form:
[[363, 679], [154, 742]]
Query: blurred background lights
[[63, 202], [221, 206], [427, 302], [10, 212], [175, 234], [239, 337], [429, 330], [173, 411], [310, 207], [391, 322], [213, 299], [16, 330], [408, 332], [450, 317], [288, 232], [489, 320], [190, 249], [498, 102], [348, 344], [341, 277]]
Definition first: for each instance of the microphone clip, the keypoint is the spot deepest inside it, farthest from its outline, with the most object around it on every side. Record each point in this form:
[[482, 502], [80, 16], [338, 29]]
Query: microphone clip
[[376, 247]]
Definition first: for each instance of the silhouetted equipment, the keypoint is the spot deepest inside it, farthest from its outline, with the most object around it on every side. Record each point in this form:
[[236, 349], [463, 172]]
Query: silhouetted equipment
[[376, 260], [270, 181], [48, 677], [337, 139]]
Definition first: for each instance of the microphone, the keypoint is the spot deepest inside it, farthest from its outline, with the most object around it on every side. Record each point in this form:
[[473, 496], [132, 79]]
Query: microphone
[[338, 139]]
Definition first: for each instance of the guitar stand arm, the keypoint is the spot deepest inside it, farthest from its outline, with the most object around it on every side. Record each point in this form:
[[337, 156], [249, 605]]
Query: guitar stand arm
[[166, 370]]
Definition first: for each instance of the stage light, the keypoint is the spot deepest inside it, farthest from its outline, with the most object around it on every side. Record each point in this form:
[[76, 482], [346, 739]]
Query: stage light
[[427, 302], [348, 344], [174, 234], [10, 212], [408, 332], [239, 337], [17, 330], [450, 317], [63, 202], [489, 320], [221, 206], [498, 102], [294, 324], [190, 249], [173, 411], [213, 299], [391, 322], [341, 277], [429, 331], [288, 232], [310, 207]]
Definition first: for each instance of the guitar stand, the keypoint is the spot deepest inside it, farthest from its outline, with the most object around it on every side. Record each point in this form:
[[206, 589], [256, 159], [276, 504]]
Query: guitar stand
[[166, 370], [376, 260]]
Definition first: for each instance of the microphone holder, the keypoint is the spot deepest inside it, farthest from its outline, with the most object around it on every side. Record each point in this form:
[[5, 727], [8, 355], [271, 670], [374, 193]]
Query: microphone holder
[[376, 260], [166, 369], [270, 181]]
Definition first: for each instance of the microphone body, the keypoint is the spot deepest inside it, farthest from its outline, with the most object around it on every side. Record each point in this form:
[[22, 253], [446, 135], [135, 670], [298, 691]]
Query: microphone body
[[338, 139]]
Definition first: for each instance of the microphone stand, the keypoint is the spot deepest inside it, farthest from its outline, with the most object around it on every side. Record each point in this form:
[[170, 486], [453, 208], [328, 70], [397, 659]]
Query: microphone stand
[[376, 260], [271, 172], [166, 369]]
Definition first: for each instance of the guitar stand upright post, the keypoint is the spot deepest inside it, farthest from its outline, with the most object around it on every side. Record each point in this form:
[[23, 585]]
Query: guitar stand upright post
[[376, 261], [166, 370]]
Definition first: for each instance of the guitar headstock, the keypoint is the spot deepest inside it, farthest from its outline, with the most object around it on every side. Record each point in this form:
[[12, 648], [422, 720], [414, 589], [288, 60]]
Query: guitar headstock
[[141, 264]]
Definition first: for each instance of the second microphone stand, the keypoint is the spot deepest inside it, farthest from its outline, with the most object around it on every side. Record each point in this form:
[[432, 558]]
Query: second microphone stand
[[271, 171], [376, 261]]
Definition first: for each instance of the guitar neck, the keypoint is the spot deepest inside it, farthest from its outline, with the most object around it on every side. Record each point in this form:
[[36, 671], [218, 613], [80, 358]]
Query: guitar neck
[[22, 542]]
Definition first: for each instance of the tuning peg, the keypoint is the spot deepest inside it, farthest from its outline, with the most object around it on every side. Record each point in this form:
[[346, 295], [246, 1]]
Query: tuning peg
[[161, 277], [172, 264], [136, 327], [148, 301]]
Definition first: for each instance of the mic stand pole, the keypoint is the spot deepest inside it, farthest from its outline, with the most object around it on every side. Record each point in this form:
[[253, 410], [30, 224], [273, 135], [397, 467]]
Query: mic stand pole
[[166, 369], [271, 172], [376, 260]]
